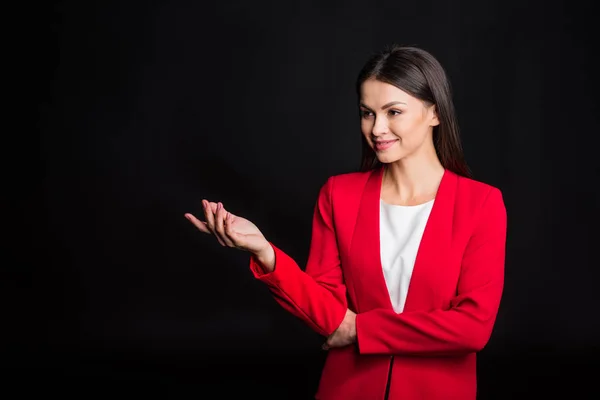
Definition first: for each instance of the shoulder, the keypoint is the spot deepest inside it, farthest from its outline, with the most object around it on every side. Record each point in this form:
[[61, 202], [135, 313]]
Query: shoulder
[[349, 179], [344, 186], [477, 195], [475, 187], [347, 184]]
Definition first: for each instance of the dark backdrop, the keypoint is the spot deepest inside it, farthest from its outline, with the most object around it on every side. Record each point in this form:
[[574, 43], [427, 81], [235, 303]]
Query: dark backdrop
[[145, 108]]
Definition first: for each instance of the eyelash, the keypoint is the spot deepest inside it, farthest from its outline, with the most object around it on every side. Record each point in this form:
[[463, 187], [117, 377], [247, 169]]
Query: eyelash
[[366, 114]]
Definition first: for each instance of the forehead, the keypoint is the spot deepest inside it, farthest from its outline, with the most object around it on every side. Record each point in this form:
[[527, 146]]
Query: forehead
[[374, 92]]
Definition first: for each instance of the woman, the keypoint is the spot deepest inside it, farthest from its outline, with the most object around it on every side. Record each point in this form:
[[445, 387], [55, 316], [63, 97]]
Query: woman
[[406, 265]]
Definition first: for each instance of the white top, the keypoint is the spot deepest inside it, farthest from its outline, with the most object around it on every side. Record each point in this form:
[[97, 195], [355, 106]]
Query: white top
[[401, 230]]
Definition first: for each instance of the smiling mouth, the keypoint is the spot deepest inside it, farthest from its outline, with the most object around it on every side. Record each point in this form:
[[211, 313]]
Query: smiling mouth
[[384, 144]]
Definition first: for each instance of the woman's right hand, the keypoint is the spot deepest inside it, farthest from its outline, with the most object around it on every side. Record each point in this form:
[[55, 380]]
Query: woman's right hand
[[231, 230]]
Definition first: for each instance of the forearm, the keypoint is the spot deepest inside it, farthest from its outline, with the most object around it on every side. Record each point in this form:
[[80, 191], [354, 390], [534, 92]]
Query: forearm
[[322, 305], [462, 329]]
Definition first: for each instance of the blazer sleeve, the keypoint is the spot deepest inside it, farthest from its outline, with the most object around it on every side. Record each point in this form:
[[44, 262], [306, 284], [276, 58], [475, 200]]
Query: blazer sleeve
[[467, 325], [316, 295]]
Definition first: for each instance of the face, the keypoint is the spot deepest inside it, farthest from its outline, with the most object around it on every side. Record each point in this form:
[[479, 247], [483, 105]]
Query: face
[[395, 124]]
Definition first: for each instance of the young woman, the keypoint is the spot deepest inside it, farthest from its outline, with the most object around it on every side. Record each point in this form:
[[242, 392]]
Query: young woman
[[406, 265]]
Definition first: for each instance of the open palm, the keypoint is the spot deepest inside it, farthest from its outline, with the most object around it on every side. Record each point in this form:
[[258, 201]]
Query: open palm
[[230, 230]]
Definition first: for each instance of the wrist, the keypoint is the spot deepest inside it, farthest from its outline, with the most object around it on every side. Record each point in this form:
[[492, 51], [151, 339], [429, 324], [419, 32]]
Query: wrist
[[266, 258], [264, 250]]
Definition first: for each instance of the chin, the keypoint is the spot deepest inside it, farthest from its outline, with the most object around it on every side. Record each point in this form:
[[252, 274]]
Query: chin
[[388, 158]]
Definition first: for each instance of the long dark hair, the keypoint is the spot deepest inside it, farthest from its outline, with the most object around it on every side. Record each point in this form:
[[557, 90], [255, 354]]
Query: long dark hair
[[418, 73]]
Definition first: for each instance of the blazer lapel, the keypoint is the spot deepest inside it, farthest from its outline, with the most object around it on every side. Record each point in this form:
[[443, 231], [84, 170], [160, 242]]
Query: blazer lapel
[[434, 249], [365, 251]]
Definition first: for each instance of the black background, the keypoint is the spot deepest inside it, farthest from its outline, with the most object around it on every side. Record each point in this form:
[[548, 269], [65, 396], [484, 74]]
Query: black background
[[145, 108]]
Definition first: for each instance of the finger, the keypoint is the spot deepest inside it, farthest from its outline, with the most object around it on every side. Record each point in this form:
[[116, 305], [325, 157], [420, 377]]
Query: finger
[[210, 219], [201, 225], [219, 225], [229, 232], [213, 206], [209, 215], [332, 340]]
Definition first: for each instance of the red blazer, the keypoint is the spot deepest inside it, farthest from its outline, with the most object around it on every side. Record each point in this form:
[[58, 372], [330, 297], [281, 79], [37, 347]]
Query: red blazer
[[452, 300]]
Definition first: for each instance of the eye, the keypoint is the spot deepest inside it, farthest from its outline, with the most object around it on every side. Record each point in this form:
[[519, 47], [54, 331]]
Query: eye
[[366, 114], [393, 113]]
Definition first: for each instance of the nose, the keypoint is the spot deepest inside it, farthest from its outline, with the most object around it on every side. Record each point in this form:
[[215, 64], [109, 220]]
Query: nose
[[380, 127]]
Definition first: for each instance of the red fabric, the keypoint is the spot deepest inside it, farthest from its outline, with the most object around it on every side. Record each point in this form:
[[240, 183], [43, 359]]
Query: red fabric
[[452, 301]]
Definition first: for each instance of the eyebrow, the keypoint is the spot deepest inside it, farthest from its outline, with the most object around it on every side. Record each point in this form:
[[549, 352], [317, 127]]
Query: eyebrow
[[385, 105]]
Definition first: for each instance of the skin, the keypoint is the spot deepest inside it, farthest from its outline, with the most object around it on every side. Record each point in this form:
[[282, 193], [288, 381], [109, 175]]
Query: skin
[[412, 169], [412, 175]]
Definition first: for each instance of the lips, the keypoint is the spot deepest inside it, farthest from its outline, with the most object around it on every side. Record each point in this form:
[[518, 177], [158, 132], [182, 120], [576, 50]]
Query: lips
[[381, 145]]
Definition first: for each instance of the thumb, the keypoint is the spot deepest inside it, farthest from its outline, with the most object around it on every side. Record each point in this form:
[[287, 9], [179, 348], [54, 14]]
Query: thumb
[[239, 240], [228, 228]]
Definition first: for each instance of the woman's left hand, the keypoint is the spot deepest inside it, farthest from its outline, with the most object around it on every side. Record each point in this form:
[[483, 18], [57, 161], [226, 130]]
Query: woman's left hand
[[345, 334]]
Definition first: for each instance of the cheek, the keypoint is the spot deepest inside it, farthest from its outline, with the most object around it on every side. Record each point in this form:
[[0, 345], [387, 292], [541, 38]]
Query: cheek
[[408, 130], [366, 127]]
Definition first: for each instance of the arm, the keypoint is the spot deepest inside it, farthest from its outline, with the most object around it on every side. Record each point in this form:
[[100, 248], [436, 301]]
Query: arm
[[467, 325], [318, 294]]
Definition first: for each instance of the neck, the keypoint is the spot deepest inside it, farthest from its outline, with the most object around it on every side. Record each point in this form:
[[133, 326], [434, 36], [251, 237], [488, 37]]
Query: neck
[[413, 179]]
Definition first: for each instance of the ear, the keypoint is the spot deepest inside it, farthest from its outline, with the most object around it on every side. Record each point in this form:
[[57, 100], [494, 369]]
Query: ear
[[434, 120]]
